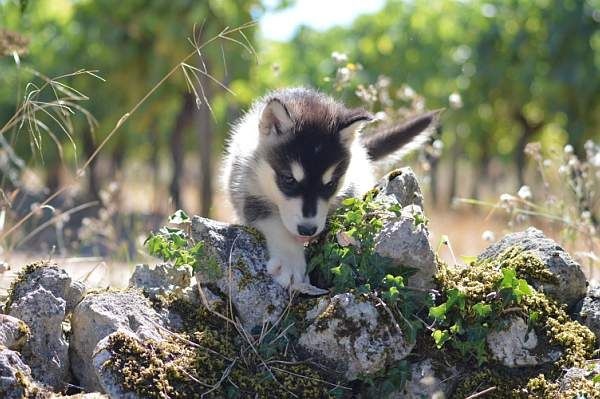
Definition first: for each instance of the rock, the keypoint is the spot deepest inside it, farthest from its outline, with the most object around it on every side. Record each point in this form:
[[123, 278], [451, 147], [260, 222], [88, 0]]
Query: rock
[[14, 333], [401, 185], [15, 377], [161, 279], [46, 352], [405, 240], [107, 378], [99, 315], [4, 266], [349, 332], [427, 381], [571, 284], [240, 256], [91, 395], [589, 313], [53, 279], [513, 346], [574, 376]]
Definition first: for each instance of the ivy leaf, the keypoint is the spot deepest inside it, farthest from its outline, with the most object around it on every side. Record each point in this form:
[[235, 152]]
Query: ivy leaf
[[440, 337], [179, 217], [438, 312], [482, 309]]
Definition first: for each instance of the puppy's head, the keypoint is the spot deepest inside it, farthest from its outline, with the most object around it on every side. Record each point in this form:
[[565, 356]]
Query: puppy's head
[[305, 139]]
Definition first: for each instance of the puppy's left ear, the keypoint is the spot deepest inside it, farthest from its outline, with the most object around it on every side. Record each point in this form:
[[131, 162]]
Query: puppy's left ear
[[352, 124], [275, 119]]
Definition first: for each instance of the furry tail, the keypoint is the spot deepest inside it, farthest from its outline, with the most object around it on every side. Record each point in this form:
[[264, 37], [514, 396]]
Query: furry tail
[[412, 133]]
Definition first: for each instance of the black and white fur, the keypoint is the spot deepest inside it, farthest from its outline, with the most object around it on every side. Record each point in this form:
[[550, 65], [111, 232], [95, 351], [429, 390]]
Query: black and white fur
[[289, 162]]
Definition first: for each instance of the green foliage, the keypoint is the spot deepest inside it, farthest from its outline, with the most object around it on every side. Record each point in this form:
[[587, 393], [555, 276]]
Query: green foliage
[[478, 299], [388, 381], [465, 323], [175, 245], [345, 260]]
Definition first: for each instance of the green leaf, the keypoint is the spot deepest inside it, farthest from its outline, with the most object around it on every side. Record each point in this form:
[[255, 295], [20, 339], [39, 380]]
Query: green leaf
[[349, 201], [482, 309], [438, 312], [440, 337], [179, 217]]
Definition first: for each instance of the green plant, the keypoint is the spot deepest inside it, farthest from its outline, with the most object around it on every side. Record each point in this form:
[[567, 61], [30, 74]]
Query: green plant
[[346, 260], [465, 323], [177, 246]]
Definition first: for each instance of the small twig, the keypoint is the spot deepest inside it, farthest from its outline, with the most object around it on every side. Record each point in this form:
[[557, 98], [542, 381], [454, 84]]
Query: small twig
[[223, 377], [311, 378], [389, 312], [481, 393]]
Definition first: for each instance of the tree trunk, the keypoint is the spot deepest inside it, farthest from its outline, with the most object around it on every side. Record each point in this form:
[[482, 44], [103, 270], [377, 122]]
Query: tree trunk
[[92, 174], [482, 172], [176, 147], [527, 132], [205, 131], [456, 151]]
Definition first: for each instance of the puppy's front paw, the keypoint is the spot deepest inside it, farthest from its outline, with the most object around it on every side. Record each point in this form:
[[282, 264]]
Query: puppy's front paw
[[280, 270]]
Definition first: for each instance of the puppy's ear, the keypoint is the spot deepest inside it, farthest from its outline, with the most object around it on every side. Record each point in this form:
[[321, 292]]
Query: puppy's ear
[[275, 119], [352, 124]]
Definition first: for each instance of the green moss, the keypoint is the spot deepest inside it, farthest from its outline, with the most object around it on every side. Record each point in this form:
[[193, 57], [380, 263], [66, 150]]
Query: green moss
[[216, 360], [22, 276], [247, 277], [29, 389], [257, 235], [211, 353], [539, 387], [393, 174], [478, 281]]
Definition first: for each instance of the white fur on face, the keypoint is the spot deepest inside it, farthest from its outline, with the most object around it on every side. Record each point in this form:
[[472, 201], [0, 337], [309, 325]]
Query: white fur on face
[[326, 178], [290, 209], [297, 171]]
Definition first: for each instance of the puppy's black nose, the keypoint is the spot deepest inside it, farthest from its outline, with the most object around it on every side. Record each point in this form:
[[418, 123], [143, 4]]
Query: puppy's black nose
[[306, 230]]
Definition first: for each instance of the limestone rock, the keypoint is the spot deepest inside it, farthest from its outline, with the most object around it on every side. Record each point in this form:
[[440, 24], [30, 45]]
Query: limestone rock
[[14, 333], [427, 381], [573, 376], [405, 240], [107, 379], [161, 279], [240, 255], [514, 346], [99, 315], [53, 279], [47, 349], [589, 314], [349, 332], [401, 185], [15, 376], [571, 286]]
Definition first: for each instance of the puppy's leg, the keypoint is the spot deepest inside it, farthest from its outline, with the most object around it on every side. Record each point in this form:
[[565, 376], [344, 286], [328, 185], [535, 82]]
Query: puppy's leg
[[286, 263]]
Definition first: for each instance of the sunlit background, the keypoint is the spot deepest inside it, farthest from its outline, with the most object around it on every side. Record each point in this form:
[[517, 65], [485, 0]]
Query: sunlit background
[[517, 144]]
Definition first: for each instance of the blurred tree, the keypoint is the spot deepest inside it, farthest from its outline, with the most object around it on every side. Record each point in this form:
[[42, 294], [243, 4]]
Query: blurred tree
[[133, 44], [524, 70]]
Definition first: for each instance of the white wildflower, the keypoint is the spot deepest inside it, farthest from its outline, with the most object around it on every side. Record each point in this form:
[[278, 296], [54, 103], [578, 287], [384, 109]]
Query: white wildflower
[[455, 101], [525, 193], [569, 149], [488, 236], [339, 57], [506, 198]]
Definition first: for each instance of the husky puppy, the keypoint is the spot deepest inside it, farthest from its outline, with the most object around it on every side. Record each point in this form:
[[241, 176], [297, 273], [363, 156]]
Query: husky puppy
[[289, 162]]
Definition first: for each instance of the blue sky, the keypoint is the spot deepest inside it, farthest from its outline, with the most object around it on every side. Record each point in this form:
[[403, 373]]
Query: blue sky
[[318, 14]]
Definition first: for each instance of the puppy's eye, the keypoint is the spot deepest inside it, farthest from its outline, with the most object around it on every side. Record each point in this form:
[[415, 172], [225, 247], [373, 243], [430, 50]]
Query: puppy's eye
[[288, 180], [331, 184]]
